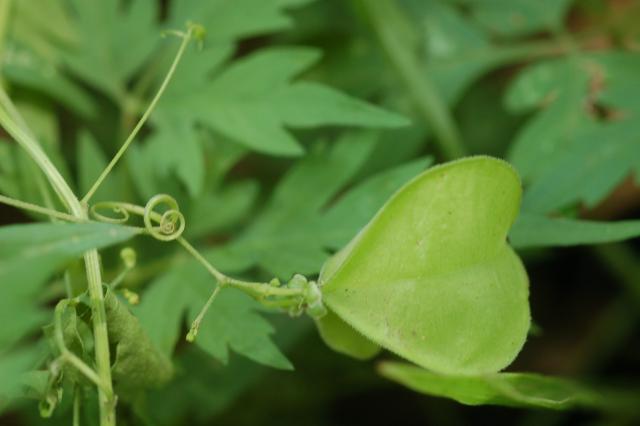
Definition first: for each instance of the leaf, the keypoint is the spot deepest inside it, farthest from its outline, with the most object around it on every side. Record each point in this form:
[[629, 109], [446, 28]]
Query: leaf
[[457, 51], [513, 18], [252, 101], [507, 389], [42, 28], [244, 18], [232, 322], [588, 170], [106, 57], [536, 230], [25, 69], [569, 153], [29, 254], [137, 363], [559, 90], [12, 368], [216, 211], [619, 69], [431, 277]]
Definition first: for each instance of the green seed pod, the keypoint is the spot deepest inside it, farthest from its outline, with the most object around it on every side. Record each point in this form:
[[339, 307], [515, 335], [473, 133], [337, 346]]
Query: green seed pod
[[432, 277], [336, 333]]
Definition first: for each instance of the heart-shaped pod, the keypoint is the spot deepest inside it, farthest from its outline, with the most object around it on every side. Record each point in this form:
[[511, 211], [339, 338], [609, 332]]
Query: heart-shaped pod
[[432, 278]]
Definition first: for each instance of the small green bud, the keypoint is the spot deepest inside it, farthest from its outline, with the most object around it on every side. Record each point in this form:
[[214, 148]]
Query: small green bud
[[129, 257], [275, 282], [298, 281], [131, 296]]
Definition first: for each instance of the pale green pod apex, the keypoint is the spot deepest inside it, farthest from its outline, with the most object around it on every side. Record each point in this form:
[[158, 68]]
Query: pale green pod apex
[[432, 277]]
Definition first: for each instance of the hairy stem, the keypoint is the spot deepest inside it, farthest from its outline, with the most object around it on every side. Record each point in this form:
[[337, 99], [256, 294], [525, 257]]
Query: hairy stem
[[386, 20], [10, 119]]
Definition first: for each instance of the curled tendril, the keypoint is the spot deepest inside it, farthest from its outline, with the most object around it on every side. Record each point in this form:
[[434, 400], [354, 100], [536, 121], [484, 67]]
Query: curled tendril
[[114, 207], [171, 222], [166, 226]]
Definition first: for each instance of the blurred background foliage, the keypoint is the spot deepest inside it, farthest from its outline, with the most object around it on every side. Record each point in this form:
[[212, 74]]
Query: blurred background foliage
[[276, 163]]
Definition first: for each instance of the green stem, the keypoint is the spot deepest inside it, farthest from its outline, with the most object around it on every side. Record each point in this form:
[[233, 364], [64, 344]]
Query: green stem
[[185, 41], [195, 325], [9, 119], [254, 288], [77, 399], [34, 208], [65, 354], [387, 21]]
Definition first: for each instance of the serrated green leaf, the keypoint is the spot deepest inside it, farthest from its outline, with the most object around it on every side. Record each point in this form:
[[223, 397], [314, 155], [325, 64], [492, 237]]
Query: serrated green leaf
[[536, 230], [619, 70], [252, 101], [247, 333], [431, 277], [105, 56], [216, 211], [588, 169], [232, 322], [44, 28], [506, 389], [244, 18], [566, 151], [513, 18], [559, 89]]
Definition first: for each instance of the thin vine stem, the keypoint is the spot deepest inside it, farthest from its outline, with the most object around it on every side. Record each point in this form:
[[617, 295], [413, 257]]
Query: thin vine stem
[[77, 400], [195, 325], [124, 210], [69, 357], [34, 208], [257, 289], [386, 18], [186, 37]]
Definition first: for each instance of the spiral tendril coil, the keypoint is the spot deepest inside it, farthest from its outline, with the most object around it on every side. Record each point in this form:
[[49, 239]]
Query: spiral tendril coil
[[171, 222], [166, 226]]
